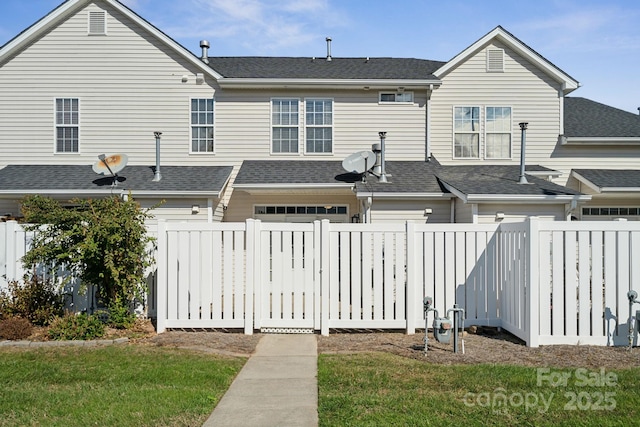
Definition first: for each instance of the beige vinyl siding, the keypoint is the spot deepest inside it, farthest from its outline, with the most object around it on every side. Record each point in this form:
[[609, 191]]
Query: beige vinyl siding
[[532, 95], [243, 128], [520, 212], [128, 84], [241, 204], [410, 210], [175, 209]]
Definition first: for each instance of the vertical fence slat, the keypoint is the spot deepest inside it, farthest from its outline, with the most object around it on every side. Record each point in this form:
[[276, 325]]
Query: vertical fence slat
[[584, 284], [570, 284], [378, 279], [610, 281], [544, 281], [597, 285], [388, 281]]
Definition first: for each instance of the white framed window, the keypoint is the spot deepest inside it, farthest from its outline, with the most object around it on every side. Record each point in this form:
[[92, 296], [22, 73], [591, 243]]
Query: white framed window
[[319, 125], [67, 125], [285, 125], [97, 25], [466, 132], [495, 60], [202, 125], [498, 133], [391, 97], [301, 213]]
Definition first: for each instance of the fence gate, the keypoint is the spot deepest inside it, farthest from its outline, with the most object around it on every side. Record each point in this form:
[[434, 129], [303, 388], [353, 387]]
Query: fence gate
[[285, 284]]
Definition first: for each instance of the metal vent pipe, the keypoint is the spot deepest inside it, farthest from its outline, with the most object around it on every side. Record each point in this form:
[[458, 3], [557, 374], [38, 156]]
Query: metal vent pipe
[[157, 176], [328, 49], [204, 45], [523, 144]]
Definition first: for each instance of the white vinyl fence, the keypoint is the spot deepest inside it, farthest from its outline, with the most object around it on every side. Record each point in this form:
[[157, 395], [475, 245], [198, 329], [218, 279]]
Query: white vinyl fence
[[545, 282]]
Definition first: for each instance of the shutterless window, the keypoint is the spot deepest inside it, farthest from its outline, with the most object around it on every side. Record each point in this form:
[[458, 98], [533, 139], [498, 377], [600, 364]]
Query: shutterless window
[[498, 133], [284, 125], [396, 97], [202, 125], [466, 128], [67, 129], [319, 125]]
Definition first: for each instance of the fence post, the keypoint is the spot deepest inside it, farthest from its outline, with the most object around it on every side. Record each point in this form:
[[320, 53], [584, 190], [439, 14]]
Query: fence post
[[252, 256], [11, 254], [161, 277], [411, 285], [532, 301], [324, 277]]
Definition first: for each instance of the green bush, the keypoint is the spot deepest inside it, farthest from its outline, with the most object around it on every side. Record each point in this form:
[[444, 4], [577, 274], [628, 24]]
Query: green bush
[[76, 327], [15, 328], [120, 315], [36, 299]]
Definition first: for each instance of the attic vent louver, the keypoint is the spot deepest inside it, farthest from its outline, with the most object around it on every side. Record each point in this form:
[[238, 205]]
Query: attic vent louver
[[495, 60], [98, 23]]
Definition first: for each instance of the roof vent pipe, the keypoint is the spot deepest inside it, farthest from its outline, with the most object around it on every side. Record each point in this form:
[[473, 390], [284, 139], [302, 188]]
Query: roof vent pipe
[[204, 45], [523, 139], [157, 177], [383, 176], [328, 49]]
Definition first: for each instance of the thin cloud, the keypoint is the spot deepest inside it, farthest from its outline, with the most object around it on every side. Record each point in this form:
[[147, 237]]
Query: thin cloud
[[261, 26]]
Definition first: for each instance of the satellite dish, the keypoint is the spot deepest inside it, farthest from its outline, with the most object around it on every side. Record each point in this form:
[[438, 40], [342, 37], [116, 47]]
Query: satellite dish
[[110, 165], [359, 162]]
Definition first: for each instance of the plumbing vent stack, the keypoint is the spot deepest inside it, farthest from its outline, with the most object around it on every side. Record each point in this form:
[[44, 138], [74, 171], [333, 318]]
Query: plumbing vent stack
[[328, 49], [204, 45], [157, 177], [523, 127], [383, 175]]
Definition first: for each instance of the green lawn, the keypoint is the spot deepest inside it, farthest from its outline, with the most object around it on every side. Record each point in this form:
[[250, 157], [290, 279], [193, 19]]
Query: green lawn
[[387, 390], [111, 386]]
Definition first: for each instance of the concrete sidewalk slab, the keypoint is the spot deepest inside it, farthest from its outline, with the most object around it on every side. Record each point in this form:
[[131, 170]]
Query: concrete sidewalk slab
[[278, 386]]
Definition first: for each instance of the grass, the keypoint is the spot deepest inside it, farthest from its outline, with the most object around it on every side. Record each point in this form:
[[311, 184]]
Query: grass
[[382, 389], [111, 386]]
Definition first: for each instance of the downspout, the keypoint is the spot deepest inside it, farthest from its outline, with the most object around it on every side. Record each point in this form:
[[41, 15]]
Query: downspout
[[453, 211], [428, 127], [157, 176], [523, 145]]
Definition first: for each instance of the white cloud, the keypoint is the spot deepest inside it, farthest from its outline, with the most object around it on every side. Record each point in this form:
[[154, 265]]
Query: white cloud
[[260, 26]]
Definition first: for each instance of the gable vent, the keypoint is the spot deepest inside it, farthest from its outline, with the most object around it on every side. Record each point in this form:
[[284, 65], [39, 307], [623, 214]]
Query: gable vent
[[495, 60], [98, 23]]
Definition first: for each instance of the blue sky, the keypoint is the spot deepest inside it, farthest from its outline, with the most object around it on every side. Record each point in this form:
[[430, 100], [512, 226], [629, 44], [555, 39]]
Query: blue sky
[[596, 42]]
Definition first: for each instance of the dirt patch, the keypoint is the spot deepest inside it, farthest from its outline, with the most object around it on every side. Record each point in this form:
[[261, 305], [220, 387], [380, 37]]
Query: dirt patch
[[487, 345]]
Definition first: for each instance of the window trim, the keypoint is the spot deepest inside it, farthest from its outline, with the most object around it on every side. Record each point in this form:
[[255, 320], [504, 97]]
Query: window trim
[[395, 93], [485, 133], [56, 126], [191, 126], [478, 132], [271, 126], [306, 126], [341, 217]]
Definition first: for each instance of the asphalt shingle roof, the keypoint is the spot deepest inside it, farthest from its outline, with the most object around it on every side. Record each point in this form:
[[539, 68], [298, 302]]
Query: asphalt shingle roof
[[617, 178], [586, 118], [404, 177], [136, 178], [500, 180], [319, 68]]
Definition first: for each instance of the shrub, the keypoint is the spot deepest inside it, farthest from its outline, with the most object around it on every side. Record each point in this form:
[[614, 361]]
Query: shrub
[[76, 327], [120, 316], [15, 328], [36, 299]]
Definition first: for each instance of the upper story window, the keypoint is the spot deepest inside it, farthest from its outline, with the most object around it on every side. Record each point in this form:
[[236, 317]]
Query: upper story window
[[202, 125], [285, 121], [466, 130], [67, 125], [498, 133], [396, 96], [319, 125]]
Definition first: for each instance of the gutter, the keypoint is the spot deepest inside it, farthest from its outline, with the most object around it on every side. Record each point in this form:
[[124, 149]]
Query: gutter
[[258, 83]]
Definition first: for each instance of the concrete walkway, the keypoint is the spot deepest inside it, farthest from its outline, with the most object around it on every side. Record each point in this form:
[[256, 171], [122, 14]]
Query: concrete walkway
[[278, 386]]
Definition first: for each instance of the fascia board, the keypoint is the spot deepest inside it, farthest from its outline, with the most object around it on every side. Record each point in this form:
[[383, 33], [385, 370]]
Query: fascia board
[[595, 140], [586, 182], [498, 33], [289, 186], [260, 83], [114, 191], [525, 198], [460, 195], [389, 195]]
